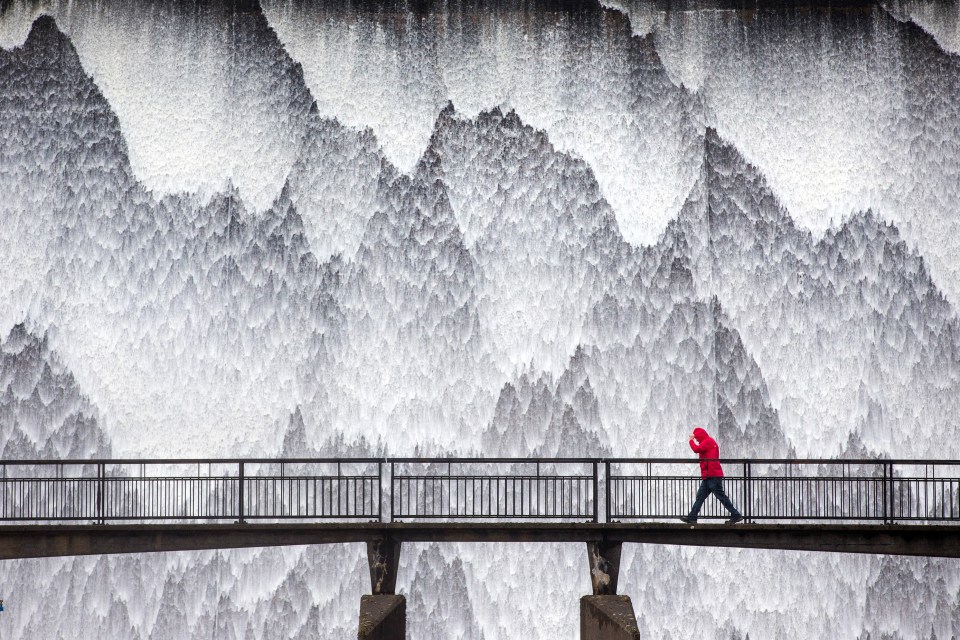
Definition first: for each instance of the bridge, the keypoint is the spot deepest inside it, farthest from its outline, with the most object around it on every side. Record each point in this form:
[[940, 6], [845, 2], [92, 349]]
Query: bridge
[[79, 507]]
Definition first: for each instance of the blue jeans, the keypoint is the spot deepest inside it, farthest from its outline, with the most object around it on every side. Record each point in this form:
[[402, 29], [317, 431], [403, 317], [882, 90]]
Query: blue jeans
[[714, 486]]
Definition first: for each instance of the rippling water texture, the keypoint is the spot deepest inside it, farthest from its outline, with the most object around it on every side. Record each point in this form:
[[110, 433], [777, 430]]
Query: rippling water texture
[[543, 228]]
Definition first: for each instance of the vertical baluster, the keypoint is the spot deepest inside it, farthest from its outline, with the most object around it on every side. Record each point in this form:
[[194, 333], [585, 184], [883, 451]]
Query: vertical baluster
[[100, 497], [240, 496], [896, 489], [886, 493], [596, 491], [538, 510], [396, 497], [562, 483], [608, 485]]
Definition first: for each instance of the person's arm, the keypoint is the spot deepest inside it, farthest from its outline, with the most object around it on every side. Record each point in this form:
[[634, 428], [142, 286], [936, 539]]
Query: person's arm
[[697, 448]]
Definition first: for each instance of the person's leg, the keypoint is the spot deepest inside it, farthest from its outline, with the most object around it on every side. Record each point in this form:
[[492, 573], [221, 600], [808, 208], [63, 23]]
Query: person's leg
[[702, 494], [716, 486]]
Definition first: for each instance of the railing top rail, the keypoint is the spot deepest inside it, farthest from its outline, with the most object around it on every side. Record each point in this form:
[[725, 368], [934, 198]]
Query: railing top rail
[[494, 460], [119, 461], [863, 461], [469, 460]]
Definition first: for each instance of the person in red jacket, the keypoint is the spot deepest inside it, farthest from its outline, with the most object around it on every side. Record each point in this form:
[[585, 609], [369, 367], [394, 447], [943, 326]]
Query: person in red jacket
[[712, 476]]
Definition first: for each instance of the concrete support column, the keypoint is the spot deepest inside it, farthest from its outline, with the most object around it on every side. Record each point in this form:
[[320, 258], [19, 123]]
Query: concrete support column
[[383, 614], [604, 559], [605, 615], [383, 556]]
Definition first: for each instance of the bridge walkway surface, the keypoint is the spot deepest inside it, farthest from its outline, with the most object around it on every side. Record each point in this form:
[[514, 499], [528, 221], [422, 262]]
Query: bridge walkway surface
[[81, 507], [35, 541]]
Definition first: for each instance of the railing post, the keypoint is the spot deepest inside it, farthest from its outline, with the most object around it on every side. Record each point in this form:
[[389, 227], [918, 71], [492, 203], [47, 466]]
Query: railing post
[[240, 505], [883, 494], [101, 480], [606, 492], [747, 491], [892, 503], [393, 489], [380, 491], [596, 491]]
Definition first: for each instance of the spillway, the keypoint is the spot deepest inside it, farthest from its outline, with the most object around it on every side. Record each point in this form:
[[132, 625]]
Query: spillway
[[466, 228]]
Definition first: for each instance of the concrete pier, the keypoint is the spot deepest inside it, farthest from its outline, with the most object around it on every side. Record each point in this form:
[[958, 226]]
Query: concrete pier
[[605, 615], [383, 614], [383, 617], [607, 618]]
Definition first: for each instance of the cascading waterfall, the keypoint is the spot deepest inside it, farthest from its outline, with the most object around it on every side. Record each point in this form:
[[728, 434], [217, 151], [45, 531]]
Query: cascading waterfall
[[549, 228]]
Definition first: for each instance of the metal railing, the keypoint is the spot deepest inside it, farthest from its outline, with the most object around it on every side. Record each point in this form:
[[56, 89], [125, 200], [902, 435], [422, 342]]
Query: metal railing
[[472, 490], [495, 488], [190, 490], [790, 490]]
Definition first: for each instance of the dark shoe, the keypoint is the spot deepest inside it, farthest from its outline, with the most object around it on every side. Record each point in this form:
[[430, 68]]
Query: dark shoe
[[688, 519], [735, 519]]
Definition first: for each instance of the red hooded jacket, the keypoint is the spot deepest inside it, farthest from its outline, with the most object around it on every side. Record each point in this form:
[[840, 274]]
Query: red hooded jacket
[[707, 448]]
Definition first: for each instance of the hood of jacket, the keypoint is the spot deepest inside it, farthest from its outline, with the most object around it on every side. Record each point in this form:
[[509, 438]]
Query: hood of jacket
[[700, 434]]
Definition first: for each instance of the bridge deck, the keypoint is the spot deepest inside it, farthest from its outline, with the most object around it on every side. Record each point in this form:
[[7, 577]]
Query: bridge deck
[[33, 541]]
